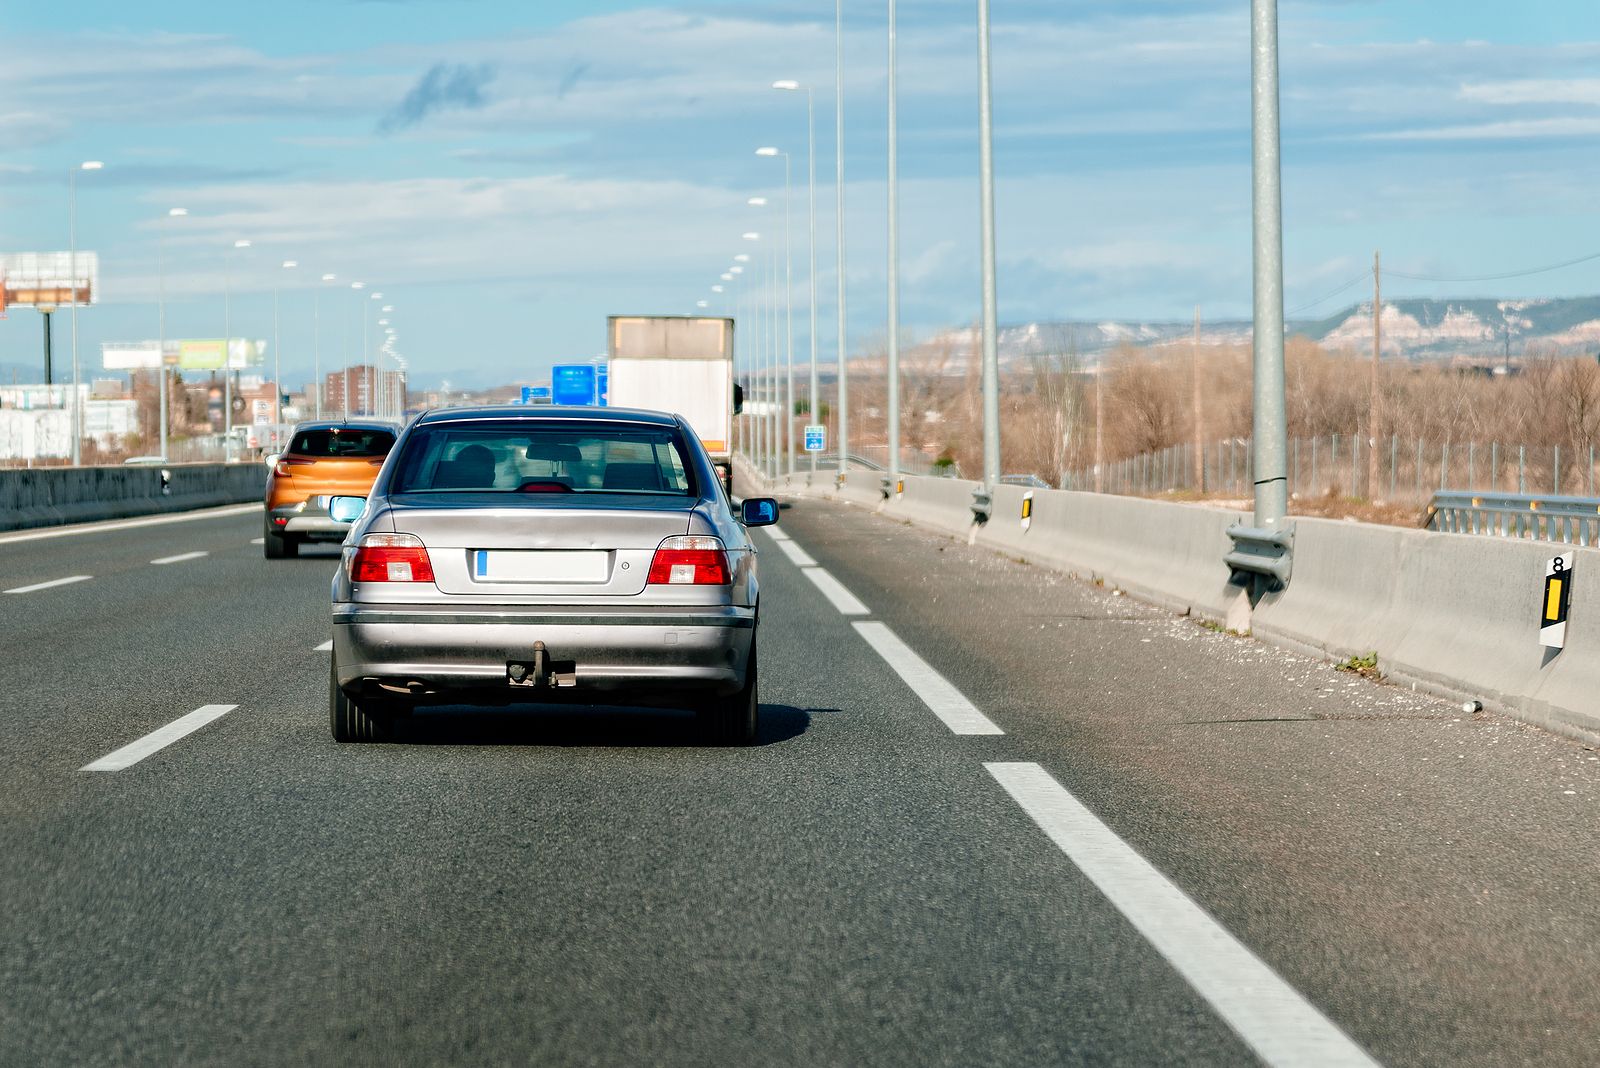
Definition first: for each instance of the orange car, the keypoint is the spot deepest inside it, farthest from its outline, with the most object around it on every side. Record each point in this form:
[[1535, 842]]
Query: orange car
[[323, 460]]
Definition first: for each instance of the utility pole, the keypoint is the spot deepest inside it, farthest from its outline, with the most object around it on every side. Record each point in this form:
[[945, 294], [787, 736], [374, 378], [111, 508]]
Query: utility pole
[[843, 399], [991, 356], [1199, 415], [1372, 390], [893, 410], [1099, 428]]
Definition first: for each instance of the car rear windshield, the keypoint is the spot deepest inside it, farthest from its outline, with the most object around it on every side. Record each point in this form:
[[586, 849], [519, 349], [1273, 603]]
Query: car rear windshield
[[514, 457], [342, 441]]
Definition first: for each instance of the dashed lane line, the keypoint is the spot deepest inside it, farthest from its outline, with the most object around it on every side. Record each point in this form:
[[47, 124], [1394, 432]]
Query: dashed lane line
[[837, 595], [793, 551], [325, 647], [158, 740], [128, 524], [69, 580], [942, 699], [180, 558], [777, 535], [1267, 1013]]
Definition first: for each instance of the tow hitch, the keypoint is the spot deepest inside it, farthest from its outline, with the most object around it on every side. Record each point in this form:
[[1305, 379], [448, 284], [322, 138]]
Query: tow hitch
[[541, 671]]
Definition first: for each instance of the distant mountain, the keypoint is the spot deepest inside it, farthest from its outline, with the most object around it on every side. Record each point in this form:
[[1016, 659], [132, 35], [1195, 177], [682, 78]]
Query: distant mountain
[[1415, 329]]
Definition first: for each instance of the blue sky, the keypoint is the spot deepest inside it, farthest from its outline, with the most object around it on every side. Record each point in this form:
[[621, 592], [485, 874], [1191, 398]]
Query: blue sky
[[563, 161]]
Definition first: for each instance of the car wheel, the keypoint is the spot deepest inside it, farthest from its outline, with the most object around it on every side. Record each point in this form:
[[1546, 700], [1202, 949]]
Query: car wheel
[[733, 720], [349, 721], [275, 546]]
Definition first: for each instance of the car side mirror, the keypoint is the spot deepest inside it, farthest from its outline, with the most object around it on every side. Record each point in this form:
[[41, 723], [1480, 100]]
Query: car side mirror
[[346, 509], [759, 511], [271, 459]]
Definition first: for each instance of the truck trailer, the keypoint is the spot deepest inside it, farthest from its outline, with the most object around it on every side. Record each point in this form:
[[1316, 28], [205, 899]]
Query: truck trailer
[[680, 364]]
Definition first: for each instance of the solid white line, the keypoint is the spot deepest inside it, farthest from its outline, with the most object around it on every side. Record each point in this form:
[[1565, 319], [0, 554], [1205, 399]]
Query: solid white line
[[797, 554], [943, 699], [837, 595], [325, 647], [180, 558], [1272, 1018], [126, 524], [257, 541], [53, 582], [157, 740]]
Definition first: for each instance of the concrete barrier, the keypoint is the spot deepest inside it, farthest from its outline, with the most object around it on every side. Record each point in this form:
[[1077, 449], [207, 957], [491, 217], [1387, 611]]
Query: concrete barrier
[[52, 496], [1453, 614]]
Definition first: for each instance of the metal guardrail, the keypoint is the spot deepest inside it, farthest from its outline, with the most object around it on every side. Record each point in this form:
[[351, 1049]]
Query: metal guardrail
[[1260, 551], [1568, 520]]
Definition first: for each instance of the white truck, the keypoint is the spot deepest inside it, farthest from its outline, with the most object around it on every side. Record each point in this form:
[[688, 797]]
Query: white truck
[[680, 364]]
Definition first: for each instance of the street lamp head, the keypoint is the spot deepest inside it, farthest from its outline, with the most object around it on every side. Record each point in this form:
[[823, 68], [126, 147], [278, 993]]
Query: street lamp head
[[388, 307], [91, 165], [329, 277], [358, 285], [752, 236], [174, 213], [383, 322], [736, 270], [241, 244], [377, 296], [727, 276], [291, 263], [716, 289], [743, 257], [767, 151], [787, 84], [757, 202], [702, 304]]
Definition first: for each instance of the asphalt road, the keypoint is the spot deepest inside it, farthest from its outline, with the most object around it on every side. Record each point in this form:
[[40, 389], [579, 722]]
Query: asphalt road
[[884, 879]]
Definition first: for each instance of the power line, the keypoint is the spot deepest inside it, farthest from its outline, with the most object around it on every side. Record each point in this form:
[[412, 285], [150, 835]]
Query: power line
[[1496, 277], [1362, 277]]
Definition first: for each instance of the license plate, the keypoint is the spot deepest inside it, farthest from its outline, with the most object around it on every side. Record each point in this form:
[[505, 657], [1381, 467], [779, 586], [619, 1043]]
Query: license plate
[[539, 565]]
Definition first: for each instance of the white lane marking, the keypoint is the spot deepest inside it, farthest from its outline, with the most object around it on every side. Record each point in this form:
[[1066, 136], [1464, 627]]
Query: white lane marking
[[943, 699], [52, 583], [1272, 1018], [180, 558], [157, 740], [325, 647], [797, 554], [127, 524], [776, 535], [837, 595], [258, 541]]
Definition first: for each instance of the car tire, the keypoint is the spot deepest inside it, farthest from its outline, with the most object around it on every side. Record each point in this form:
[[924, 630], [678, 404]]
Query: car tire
[[734, 720], [275, 546], [349, 721]]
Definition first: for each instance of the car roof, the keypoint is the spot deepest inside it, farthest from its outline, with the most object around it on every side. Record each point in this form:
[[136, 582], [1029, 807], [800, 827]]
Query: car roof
[[344, 424], [545, 414]]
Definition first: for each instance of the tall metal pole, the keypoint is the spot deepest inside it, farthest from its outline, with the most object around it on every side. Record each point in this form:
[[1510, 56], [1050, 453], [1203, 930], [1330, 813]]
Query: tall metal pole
[[316, 345], [843, 400], [277, 361], [773, 361], [227, 354], [1270, 425], [1199, 411], [991, 355], [811, 165], [894, 265], [787, 422], [161, 316], [72, 225]]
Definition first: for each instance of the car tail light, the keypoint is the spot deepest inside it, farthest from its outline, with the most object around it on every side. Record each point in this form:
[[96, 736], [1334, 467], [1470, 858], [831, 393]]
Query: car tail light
[[283, 468], [391, 558], [690, 560]]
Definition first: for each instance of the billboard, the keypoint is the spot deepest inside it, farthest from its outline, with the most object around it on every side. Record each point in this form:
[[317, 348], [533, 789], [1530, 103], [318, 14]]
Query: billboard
[[573, 384], [135, 355], [49, 279], [205, 354]]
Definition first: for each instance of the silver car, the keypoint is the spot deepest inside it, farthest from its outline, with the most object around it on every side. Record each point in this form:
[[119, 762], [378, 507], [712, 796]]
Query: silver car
[[553, 555]]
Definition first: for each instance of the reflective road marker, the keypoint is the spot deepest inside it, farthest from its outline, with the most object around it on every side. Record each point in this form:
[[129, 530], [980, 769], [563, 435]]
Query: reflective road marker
[[157, 740], [1267, 1013], [943, 699], [51, 584]]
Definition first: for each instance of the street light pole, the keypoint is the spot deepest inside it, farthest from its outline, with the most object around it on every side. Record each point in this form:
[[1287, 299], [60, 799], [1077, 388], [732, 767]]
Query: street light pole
[[785, 424], [72, 226], [227, 350], [991, 357], [1270, 428], [161, 314], [277, 354], [355, 286], [316, 340], [844, 379], [894, 266], [811, 183]]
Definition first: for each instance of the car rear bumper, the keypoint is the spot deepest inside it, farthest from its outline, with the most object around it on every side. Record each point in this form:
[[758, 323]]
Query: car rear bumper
[[451, 653], [307, 520]]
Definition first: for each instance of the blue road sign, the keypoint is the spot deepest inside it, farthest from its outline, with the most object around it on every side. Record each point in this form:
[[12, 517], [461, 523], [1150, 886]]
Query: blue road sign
[[602, 378], [816, 438], [573, 384]]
